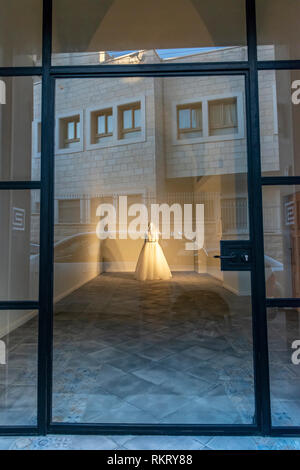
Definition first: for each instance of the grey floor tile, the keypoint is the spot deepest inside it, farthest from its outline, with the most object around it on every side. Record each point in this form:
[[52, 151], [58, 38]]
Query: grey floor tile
[[93, 443], [158, 404], [155, 374], [163, 443], [232, 443], [6, 442]]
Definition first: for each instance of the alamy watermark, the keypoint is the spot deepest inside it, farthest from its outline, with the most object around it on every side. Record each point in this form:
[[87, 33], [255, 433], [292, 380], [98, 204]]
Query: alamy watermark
[[2, 353], [296, 93], [187, 221], [296, 353]]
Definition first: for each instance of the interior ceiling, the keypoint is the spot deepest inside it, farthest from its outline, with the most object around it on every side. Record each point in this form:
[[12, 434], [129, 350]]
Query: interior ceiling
[[21, 25], [278, 21], [93, 25]]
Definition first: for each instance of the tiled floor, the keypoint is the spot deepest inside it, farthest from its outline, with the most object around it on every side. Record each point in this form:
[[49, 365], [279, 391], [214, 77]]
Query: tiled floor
[[168, 352], [147, 443], [177, 351]]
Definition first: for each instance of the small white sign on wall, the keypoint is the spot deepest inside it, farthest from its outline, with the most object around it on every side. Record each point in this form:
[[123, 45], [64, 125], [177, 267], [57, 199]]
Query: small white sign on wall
[[289, 213], [18, 219]]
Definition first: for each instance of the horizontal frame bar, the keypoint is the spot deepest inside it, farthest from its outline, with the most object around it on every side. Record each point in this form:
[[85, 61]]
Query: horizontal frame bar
[[278, 65], [18, 431], [147, 69], [20, 71], [280, 180], [19, 305], [283, 303], [154, 430], [285, 431], [19, 185]]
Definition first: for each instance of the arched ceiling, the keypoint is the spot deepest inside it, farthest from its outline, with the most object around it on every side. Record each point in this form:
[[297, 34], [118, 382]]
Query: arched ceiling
[[93, 25]]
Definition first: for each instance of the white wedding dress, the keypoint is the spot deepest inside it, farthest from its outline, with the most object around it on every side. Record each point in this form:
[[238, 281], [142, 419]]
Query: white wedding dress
[[152, 263]]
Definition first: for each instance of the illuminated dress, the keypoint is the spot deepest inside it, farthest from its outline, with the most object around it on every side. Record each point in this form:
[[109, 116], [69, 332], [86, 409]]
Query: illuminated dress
[[152, 263]]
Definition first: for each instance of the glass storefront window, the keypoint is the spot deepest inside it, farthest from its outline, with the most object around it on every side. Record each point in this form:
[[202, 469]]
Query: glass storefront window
[[20, 128], [279, 103], [152, 331], [86, 32], [19, 244], [281, 207], [20, 33]]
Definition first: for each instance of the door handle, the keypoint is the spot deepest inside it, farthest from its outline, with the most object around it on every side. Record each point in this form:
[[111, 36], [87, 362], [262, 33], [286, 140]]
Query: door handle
[[226, 257], [235, 255]]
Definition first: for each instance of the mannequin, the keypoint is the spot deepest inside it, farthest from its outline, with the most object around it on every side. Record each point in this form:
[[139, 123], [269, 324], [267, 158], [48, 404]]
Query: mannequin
[[152, 263]]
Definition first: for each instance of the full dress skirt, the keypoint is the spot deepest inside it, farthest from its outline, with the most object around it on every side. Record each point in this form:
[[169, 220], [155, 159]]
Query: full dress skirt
[[152, 263]]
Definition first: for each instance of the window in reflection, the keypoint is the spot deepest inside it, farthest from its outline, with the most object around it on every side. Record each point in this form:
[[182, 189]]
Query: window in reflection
[[223, 116], [189, 121], [129, 120]]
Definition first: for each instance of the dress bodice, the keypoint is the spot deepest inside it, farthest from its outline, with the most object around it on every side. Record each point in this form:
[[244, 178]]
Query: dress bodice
[[152, 236]]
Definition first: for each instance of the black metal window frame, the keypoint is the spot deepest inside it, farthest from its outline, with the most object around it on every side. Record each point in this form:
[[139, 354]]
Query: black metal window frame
[[262, 424]]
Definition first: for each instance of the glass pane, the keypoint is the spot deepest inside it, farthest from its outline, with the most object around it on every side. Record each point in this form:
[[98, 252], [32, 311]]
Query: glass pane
[[284, 354], [278, 29], [101, 124], [78, 130], [184, 118], [197, 118], [71, 130], [18, 367], [281, 206], [19, 244], [148, 32], [223, 117], [20, 33], [137, 118], [20, 131], [279, 100], [110, 125], [132, 344], [127, 119]]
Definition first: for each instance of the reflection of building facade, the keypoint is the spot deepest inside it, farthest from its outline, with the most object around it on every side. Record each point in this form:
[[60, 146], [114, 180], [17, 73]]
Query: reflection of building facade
[[165, 140]]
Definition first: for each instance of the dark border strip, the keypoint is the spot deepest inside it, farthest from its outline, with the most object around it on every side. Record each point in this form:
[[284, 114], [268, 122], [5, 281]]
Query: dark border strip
[[46, 227], [260, 334], [285, 431], [281, 303], [19, 185], [19, 305], [280, 180], [152, 429]]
